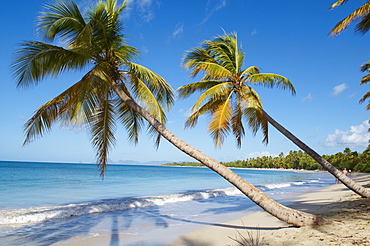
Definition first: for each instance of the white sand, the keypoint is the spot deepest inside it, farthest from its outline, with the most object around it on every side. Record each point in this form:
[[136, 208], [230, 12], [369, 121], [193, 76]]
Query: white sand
[[349, 212]]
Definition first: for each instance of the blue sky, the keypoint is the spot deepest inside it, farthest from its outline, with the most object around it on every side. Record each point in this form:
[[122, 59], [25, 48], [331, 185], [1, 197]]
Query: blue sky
[[284, 37]]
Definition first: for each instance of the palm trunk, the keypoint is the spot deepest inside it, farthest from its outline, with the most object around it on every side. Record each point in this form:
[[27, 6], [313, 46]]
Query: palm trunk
[[286, 214], [324, 163]]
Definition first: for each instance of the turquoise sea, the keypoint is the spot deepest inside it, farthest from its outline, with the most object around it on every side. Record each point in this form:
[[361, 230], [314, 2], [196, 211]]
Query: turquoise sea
[[51, 203]]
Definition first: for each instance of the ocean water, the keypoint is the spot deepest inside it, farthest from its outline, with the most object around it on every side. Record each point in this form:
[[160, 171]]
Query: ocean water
[[56, 203]]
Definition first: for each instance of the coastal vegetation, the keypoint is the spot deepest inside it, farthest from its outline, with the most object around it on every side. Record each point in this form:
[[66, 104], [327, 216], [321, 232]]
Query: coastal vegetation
[[351, 160]]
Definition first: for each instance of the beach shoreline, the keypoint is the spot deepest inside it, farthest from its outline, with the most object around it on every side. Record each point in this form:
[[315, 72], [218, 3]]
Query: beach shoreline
[[349, 213]]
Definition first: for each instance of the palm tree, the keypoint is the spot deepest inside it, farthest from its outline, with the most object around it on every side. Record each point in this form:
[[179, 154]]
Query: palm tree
[[365, 68], [362, 13], [229, 99], [111, 90]]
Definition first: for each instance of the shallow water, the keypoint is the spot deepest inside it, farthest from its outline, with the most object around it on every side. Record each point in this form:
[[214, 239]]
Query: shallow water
[[48, 203]]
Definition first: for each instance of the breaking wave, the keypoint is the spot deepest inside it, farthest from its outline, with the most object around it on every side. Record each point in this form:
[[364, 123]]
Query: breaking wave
[[39, 214]]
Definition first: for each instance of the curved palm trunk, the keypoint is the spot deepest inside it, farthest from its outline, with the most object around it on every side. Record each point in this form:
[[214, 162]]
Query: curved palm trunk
[[286, 214], [324, 163]]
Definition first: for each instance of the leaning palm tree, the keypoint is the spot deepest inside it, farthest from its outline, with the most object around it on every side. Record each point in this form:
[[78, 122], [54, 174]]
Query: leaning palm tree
[[365, 68], [111, 90], [228, 97], [362, 13]]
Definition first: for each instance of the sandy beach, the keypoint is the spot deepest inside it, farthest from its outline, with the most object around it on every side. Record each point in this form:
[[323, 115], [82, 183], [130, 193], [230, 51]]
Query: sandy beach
[[349, 212]]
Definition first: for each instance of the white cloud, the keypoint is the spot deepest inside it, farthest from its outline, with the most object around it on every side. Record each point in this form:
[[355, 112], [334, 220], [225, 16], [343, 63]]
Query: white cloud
[[308, 98], [179, 28], [144, 8], [254, 32], [356, 136], [338, 89], [215, 6]]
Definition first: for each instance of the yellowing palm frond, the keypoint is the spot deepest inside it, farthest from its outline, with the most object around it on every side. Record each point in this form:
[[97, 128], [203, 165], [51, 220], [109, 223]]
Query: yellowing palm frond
[[362, 13], [208, 107], [219, 126], [218, 91], [187, 90], [162, 91], [270, 80], [237, 121]]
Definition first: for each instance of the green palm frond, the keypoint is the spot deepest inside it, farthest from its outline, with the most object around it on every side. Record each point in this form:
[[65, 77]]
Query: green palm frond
[[365, 67], [36, 60], [131, 120], [270, 80], [63, 18], [250, 71], [225, 50], [74, 105], [154, 83], [102, 127], [363, 13], [256, 121], [187, 90], [192, 59]]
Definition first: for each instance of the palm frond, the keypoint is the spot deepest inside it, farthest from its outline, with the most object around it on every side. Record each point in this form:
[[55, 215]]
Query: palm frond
[[154, 83], [219, 125], [256, 121], [338, 3], [221, 90], [208, 107], [270, 80], [63, 18], [187, 90], [250, 71], [237, 121], [192, 59], [36, 60], [365, 67], [131, 121], [366, 96], [365, 79], [362, 12], [74, 105], [102, 127]]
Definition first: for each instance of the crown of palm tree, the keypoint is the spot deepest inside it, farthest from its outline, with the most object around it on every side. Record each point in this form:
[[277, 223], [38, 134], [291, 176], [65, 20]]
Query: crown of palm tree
[[93, 42], [226, 92]]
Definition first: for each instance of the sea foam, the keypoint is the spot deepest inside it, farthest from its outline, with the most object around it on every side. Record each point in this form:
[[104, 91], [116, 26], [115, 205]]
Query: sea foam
[[39, 214]]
